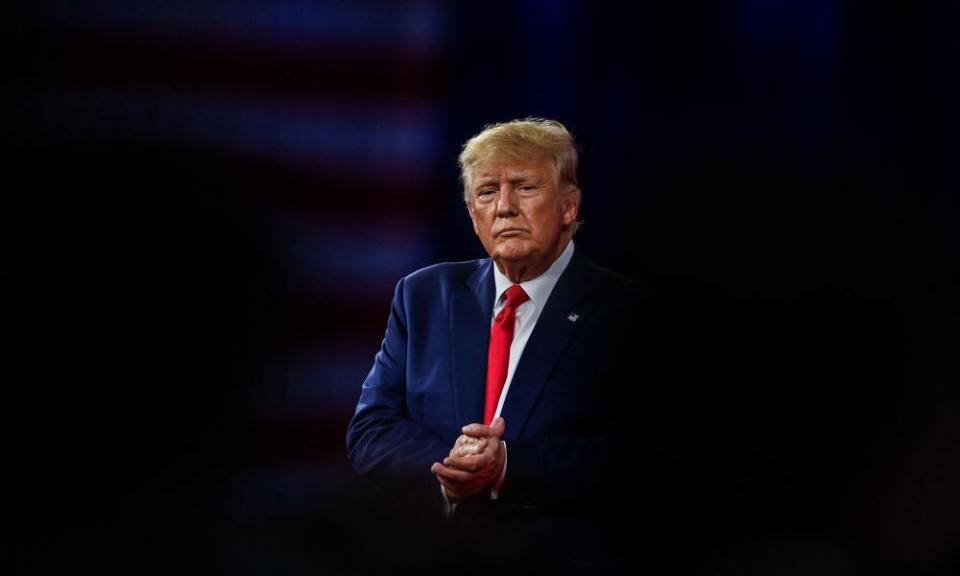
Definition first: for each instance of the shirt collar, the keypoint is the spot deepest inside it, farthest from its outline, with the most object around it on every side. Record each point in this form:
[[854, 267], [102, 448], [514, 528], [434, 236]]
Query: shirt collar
[[539, 288]]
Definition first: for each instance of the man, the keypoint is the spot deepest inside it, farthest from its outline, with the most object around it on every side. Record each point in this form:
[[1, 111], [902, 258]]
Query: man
[[495, 395]]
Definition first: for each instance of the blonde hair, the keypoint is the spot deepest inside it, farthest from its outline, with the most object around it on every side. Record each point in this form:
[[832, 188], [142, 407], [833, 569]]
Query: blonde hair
[[521, 140]]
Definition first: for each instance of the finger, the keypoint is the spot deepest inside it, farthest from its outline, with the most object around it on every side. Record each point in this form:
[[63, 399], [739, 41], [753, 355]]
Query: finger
[[477, 431], [464, 439], [492, 450], [469, 464], [480, 466], [451, 474], [465, 452], [444, 475], [472, 450], [495, 429], [498, 426], [466, 444]]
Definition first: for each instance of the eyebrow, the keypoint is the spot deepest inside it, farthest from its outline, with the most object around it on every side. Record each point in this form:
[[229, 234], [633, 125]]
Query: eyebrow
[[519, 177]]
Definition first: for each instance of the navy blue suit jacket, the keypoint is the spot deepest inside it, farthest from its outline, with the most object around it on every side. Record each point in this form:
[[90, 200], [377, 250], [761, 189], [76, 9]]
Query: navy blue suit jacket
[[564, 407]]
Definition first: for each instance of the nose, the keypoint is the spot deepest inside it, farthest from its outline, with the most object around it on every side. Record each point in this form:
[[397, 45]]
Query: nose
[[506, 202]]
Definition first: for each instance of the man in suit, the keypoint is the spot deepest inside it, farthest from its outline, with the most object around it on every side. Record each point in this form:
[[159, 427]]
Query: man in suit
[[495, 396]]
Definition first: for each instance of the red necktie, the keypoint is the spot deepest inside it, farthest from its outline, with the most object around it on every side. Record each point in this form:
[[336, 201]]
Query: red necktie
[[498, 354]]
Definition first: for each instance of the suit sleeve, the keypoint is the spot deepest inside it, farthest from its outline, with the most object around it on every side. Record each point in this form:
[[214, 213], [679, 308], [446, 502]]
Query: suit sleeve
[[383, 443]]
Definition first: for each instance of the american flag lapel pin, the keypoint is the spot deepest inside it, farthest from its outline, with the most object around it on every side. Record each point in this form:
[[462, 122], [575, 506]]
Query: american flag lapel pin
[[573, 317]]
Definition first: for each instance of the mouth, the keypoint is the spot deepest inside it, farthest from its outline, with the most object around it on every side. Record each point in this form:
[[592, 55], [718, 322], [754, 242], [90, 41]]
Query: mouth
[[510, 232]]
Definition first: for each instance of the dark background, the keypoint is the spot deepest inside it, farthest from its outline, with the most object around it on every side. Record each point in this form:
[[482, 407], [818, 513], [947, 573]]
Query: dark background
[[207, 205]]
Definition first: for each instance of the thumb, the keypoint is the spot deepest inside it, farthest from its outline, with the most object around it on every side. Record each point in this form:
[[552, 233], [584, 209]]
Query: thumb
[[498, 426]]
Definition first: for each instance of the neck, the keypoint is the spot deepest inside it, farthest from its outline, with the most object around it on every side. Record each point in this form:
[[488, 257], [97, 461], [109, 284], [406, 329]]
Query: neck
[[519, 272], [522, 270]]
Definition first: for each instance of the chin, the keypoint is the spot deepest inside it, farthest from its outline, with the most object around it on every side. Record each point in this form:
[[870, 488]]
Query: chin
[[510, 257], [513, 253]]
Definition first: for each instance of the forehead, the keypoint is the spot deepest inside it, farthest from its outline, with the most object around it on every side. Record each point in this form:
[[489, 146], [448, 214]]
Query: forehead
[[496, 168]]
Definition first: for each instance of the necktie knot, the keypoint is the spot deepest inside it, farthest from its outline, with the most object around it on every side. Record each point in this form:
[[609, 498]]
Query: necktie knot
[[515, 296]]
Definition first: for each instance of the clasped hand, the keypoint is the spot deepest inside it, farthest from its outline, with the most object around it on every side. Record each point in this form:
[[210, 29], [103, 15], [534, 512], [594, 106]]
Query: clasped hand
[[475, 462]]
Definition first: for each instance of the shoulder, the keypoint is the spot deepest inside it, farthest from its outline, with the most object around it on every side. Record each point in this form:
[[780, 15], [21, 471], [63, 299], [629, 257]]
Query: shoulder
[[609, 284], [618, 281], [445, 271], [617, 291], [442, 276]]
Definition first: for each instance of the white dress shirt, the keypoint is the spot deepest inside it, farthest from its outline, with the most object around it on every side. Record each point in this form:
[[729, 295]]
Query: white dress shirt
[[538, 289]]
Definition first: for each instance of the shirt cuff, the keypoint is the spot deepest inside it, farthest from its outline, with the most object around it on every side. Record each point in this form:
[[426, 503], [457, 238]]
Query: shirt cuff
[[495, 491], [449, 507]]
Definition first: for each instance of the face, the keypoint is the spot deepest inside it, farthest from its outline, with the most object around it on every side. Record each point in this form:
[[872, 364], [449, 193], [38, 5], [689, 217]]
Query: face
[[520, 214]]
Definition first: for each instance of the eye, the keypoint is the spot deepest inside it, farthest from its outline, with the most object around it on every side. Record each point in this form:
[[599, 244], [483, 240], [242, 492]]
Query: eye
[[485, 192]]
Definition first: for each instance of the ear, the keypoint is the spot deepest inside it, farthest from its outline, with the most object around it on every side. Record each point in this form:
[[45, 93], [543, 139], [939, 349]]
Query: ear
[[571, 206]]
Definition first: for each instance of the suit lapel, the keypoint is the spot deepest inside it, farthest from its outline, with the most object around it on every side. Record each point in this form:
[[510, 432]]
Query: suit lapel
[[470, 314], [555, 327]]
